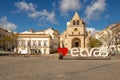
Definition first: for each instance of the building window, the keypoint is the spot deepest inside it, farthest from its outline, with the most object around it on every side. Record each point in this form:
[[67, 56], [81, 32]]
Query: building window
[[34, 43], [39, 43], [74, 22], [72, 33], [19, 43], [78, 22], [39, 51], [29, 43], [75, 29], [45, 43], [23, 44]]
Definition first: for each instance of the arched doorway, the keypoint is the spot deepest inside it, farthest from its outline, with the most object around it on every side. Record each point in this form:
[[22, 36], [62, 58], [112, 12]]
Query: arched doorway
[[76, 42]]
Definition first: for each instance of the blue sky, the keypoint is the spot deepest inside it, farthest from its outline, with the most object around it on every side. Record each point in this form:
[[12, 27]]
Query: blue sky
[[20, 15]]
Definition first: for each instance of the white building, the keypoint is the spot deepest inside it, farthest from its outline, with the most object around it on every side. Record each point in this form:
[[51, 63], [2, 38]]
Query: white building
[[110, 36], [41, 42]]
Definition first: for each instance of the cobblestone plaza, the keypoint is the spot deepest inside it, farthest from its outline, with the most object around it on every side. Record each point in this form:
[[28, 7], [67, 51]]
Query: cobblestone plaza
[[50, 68]]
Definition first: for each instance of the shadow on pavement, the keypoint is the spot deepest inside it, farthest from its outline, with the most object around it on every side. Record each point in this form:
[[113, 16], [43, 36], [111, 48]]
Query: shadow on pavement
[[88, 58]]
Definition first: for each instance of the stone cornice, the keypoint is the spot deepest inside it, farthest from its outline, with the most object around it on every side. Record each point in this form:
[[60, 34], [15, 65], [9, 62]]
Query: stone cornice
[[33, 36]]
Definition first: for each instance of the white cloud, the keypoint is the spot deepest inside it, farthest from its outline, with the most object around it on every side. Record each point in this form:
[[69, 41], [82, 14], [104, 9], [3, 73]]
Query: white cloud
[[31, 11], [93, 30], [25, 6], [94, 10], [49, 16], [4, 23], [69, 5]]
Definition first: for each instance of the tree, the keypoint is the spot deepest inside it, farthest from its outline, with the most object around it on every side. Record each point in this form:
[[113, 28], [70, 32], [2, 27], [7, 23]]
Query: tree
[[14, 43], [8, 42], [94, 42], [116, 36]]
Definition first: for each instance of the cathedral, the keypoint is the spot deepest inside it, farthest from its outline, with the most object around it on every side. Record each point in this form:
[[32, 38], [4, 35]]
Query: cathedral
[[75, 35]]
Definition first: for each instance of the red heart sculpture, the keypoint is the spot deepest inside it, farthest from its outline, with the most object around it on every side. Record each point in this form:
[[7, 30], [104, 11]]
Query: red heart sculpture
[[63, 51]]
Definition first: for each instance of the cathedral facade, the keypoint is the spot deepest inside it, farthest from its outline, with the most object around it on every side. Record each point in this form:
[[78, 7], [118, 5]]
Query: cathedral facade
[[75, 35]]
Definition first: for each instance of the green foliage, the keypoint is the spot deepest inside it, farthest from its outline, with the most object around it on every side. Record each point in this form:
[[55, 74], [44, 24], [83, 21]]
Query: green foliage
[[8, 42], [7, 39], [94, 42]]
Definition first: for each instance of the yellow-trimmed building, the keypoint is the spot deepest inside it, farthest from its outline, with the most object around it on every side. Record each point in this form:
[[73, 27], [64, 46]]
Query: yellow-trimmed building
[[42, 42]]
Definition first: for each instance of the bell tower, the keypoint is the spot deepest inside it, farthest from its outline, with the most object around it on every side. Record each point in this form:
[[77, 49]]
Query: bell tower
[[76, 32]]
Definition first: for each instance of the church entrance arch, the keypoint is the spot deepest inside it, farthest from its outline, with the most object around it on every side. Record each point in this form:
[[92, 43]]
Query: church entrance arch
[[76, 42]]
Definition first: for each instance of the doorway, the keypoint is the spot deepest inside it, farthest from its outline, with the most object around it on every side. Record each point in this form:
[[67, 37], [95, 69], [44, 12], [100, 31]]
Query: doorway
[[76, 42]]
